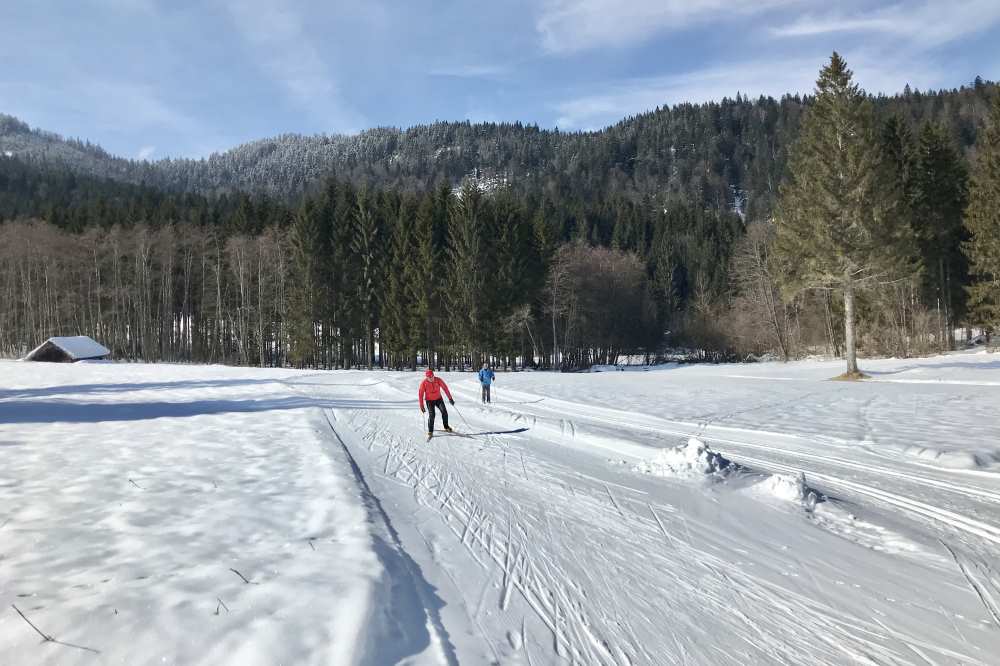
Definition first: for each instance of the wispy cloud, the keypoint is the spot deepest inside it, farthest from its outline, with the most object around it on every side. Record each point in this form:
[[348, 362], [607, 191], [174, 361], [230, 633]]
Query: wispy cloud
[[137, 106], [469, 71], [109, 104], [644, 94], [131, 6], [146, 152], [193, 78], [773, 77], [926, 24], [568, 26], [288, 56]]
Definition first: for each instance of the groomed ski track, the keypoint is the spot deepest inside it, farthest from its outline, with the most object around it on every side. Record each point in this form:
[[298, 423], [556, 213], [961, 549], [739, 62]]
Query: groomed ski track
[[547, 547]]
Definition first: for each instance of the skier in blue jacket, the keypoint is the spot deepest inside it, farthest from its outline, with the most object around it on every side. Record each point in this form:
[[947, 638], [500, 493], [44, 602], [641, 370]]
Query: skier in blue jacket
[[486, 378]]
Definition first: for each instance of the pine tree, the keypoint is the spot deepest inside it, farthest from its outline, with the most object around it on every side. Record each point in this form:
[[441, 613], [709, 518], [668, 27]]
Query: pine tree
[[304, 238], [399, 329], [423, 286], [938, 199], [341, 270], [837, 223], [897, 148], [982, 220], [467, 277], [514, 274], [365, 247]]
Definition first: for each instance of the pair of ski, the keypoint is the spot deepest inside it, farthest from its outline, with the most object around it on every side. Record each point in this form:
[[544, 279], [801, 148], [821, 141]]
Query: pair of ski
[[430, 435]]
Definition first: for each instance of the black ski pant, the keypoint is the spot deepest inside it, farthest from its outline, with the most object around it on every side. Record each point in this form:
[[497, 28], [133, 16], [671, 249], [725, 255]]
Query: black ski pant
[[486, 392], [431, 404]]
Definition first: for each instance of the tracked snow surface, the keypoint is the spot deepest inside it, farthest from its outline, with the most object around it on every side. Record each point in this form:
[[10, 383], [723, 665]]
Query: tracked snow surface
[[731, 514]]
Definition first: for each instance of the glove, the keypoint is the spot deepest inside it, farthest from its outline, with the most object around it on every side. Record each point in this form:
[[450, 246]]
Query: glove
[[422, 410], [451, 401]]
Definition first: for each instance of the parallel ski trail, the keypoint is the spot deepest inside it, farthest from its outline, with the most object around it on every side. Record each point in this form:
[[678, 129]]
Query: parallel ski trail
[[952, 519], [608, 574]]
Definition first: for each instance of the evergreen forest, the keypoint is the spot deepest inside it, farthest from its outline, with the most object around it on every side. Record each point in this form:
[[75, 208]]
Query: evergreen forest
[[837, 222]]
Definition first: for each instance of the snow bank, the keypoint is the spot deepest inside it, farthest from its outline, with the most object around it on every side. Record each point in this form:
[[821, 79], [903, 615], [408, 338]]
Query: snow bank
[[832, 516], [694, 459], [790, 488], [948, 458], [634, 368]]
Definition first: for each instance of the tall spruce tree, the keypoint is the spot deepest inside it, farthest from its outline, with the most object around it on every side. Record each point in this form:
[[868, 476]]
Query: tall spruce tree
[[467, 275], [343, 269], [304, 238], [898, 148], [838, 225], [982, 220], [399, 329], [365, 245], [939, 184], [423, 287]]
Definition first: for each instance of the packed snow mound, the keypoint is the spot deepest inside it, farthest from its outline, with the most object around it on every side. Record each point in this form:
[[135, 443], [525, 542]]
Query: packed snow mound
[[790, 488], [693, 459], [949, 458]]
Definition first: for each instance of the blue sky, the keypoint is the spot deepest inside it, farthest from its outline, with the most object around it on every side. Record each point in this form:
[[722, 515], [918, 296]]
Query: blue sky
[[151, 78]]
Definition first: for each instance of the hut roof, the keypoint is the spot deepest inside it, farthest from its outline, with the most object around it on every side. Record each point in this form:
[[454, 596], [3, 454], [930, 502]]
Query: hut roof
[[75, 348]]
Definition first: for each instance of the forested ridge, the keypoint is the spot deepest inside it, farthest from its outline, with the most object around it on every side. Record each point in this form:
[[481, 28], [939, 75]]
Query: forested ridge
[[721, 154], [454, 242]]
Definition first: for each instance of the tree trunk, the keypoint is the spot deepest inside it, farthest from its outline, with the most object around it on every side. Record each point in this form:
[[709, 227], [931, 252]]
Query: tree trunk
[[849, 347], [943, 322], [555, 339]]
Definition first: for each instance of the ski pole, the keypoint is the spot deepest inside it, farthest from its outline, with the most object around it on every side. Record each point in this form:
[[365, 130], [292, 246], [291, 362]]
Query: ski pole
[[462, 416]]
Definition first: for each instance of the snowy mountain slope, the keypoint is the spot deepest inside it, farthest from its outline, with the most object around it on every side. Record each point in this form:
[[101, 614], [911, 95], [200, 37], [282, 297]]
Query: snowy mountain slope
[[681, 149], [560, 526]]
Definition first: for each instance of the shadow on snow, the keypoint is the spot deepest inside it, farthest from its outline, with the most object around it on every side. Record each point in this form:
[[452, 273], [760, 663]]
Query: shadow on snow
[[69, 411]]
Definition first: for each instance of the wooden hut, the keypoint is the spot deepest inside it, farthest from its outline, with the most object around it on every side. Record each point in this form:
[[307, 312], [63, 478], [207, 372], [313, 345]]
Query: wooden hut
[[68, 350]]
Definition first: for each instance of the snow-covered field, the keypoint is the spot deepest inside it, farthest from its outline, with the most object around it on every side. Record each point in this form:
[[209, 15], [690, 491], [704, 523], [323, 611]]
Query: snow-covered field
[[732, 514]]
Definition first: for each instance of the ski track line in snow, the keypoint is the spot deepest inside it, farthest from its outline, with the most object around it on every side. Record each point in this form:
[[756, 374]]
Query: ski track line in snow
[[669, 427], [568, 588], [577, 642], [454, 500], [871, 380], [950, 518], [381, 519], [982, 591], [545, 592]]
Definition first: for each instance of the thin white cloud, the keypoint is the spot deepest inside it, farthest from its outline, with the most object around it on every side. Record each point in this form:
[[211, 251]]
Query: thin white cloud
[[288, 56], [112, 106], [138, 6], [138, 107], [470, 71], [145, 152], [927, 24], [776, 77], [644, 94], [568, 26]]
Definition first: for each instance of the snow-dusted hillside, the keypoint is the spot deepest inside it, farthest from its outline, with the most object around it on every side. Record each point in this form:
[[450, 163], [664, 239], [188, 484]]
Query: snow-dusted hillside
[[705, 515]]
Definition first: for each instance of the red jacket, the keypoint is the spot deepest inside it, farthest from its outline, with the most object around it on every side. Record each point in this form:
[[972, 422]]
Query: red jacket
[[432, 389]]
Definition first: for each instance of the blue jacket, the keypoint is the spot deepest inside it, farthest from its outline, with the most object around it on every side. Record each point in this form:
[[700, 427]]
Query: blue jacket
[[486, 377]]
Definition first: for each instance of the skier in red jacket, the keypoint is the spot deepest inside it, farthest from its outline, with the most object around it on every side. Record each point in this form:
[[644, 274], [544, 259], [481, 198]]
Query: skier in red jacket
[[431, 387]]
